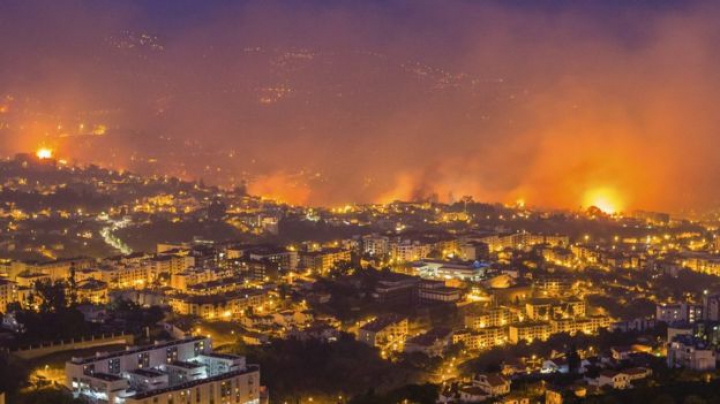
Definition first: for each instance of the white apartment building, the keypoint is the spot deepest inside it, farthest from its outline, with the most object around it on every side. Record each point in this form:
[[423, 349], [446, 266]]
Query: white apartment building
[[175, 372]]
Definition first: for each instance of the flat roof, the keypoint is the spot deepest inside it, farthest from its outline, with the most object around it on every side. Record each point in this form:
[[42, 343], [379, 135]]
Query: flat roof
[[118, 354], [193, 383]]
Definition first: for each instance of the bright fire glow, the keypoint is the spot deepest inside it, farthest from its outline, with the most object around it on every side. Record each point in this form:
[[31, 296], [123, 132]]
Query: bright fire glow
[[605, 199], [44, 153]]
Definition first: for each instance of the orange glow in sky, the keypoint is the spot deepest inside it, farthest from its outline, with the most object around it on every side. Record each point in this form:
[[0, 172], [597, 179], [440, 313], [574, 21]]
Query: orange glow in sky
[[44, 153], [606, 199]]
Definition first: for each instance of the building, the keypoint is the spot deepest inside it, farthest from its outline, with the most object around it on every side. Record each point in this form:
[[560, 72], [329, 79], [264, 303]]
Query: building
[[181, 371], [259, 270], [436, 292], [182, 280], [396, 289], [498, 316], [703, 263], [691, 353], [481, 339], [387, 333], [375, 246], [219, 306], [171, 263], [471, 394], [679, 313], [8, 294], [712, 307], [616, 380], [586, 325], [523, 240], [321, 262], [493, 385], [561, 256], [287, 261], [555, 286], [432, 343], [92, 291], [637, 373], [529, 331], [446, 270], [122, 276], [408, 251], [56, 270], [219, 286], [474, 251]]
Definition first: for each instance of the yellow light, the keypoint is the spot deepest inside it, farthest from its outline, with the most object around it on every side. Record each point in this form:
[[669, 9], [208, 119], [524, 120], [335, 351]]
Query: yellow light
[[605, 199], [44, 153]]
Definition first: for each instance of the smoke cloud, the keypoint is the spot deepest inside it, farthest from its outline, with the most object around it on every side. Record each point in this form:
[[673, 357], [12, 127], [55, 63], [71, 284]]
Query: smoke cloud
[[332, 102]]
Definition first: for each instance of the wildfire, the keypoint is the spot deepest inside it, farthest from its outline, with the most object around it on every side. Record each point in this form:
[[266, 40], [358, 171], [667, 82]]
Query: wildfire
[[44, 153], [605, 199]]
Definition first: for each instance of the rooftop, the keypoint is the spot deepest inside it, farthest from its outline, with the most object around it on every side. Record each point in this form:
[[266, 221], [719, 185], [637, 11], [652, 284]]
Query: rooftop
[[190, 384], [135, 350]]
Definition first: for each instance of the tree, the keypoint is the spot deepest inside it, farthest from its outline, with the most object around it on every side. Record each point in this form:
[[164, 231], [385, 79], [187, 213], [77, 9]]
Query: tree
[[663, 399], [52, 296], [72, 285], [44, 396], [574, 361], [693, 399]]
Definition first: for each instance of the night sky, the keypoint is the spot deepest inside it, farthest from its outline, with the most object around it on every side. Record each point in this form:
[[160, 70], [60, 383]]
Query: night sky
[[558, 103]]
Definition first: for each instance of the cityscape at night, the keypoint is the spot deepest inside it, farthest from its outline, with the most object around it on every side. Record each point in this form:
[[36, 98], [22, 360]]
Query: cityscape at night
[[372, 202]]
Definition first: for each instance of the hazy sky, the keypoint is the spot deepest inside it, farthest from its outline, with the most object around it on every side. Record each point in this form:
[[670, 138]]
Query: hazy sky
[[329, 102]]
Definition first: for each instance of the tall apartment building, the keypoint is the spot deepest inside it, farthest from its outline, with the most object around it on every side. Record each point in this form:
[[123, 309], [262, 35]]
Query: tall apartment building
[[175, 372], [498, 316], [529, 331], [323, 261], [375, 245], [8, 294], [679, 313]]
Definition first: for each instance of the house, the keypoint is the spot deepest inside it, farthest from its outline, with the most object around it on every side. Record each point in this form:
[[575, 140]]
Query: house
[[614, 379], [492, 384], [637, 373], [432, 343], [620, 353], [553, 395], [514, 398], [472, 394], [291, 318], [318, 330], [513, 367], [557, 365], [388, 331]]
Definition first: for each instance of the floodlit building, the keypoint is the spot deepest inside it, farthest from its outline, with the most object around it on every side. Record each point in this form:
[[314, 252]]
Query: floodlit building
[[388, 332], [481, 339], [497, 316], [529, 331], [181, 371]]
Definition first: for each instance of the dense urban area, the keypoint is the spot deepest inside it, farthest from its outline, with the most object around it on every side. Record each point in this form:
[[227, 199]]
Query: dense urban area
[[125, 289]]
